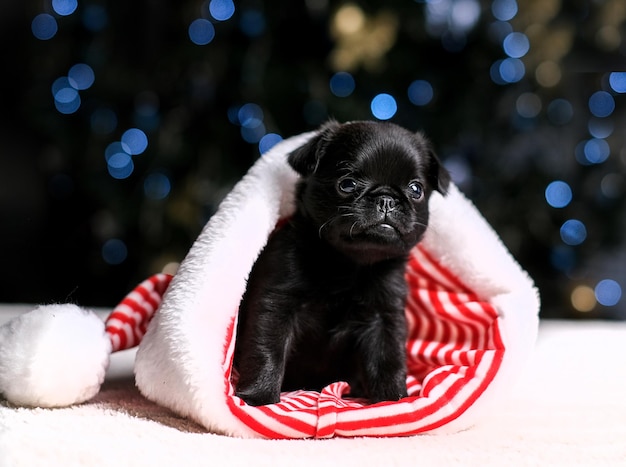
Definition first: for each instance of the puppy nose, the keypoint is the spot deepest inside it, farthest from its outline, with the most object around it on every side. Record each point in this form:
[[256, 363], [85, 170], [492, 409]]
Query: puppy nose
[[386, 203]]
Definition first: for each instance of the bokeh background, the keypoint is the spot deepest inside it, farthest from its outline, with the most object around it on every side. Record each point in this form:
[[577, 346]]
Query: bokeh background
[[123, 125]]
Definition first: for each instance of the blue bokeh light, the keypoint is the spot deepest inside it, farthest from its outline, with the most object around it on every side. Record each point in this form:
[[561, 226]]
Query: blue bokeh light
[[253, 134], [617, 81], [44, 26], [66, 95], [601, 104], [383, 106], [157, 186], [558, 194], [452, 18], [250, 115], [596, 151], [528, 105], [221, 10], [252, 23], [516, 45], [342, 84], [507, 71], [120, 165], [600, 127], [60, 83], [64, 7], [67, 102], [512, 70], [573, 232], [504, 10], [81, 76], [95, 17], [134, 141], [608, 292], [560, 111], [201, 31], [103, 121], [66, 98], [114, 251], [268, 141], [114, 148], [65, 89], [420, 92]]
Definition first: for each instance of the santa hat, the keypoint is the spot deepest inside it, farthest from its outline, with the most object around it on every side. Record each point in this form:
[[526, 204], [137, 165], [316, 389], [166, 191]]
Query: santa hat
[[472, 314]]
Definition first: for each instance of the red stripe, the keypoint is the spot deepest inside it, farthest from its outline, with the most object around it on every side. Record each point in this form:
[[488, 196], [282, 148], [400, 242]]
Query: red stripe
[[160, 282], [151, 293], [250, 420], [125, 343], [443, 271], [129, 321], [481, 322], [151, 303], [460, 331], [120, 334]]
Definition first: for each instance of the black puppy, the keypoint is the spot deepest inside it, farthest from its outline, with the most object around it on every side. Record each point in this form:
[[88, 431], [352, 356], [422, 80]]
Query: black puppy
[[325, 299]]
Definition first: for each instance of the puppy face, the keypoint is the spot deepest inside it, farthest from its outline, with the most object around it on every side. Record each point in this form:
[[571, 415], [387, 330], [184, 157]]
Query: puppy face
[[365, 187]]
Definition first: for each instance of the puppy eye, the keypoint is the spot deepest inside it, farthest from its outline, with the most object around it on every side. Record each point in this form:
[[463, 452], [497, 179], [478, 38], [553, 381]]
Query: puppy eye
[[416, 189], [347, 185]]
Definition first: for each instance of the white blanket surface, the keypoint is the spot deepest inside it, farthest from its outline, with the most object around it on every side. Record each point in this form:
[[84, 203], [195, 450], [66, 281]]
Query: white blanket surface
[[569, 409]]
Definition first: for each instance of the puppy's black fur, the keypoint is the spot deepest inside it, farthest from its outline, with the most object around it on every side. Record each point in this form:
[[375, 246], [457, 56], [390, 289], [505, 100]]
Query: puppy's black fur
[[325, 299]]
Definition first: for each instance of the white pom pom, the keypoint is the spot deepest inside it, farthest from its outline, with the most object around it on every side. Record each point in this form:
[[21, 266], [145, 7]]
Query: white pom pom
[[54, 356]]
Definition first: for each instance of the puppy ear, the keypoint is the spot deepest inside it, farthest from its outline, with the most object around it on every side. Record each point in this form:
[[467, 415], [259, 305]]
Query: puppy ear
[[305, 159], [438, 176]]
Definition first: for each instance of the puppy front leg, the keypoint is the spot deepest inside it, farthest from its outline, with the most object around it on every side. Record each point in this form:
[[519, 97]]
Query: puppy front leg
[[261, 364], [383, 354]]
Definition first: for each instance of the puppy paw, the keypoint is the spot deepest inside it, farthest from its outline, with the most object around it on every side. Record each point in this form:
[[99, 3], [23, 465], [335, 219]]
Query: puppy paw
[[390, 393], [257, 398]]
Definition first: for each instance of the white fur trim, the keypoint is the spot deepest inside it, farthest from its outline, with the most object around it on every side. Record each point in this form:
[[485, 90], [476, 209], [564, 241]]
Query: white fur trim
[[56, 355], [180, 362]]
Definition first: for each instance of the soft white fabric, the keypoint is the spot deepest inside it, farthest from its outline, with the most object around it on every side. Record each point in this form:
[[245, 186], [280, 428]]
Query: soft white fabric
[[55, 355], [180, 362], [568, 410]]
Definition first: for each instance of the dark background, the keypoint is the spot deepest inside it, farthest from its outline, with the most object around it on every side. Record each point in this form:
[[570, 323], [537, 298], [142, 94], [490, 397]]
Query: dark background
[[70, 231]]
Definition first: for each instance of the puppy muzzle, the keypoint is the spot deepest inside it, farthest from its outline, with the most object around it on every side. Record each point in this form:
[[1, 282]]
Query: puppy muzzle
[[386, 204]]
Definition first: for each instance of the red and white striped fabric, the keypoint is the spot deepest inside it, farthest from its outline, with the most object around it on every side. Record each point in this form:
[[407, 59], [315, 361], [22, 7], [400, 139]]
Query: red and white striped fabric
[[453, 351], [128, 321]]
